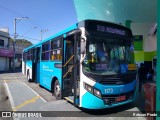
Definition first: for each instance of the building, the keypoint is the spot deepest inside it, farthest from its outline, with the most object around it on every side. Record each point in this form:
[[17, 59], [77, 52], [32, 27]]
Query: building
[[6, 55], [18, 53]]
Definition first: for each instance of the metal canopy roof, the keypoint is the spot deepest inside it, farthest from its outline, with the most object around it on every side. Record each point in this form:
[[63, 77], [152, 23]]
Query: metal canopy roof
[[117, 10]]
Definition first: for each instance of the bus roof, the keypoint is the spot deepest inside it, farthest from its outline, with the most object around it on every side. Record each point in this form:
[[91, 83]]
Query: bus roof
[[55, 35], [75, 26]]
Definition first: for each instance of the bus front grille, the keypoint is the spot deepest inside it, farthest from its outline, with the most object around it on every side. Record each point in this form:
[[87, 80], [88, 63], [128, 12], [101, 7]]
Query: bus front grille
[[110, 81], [117, 80]]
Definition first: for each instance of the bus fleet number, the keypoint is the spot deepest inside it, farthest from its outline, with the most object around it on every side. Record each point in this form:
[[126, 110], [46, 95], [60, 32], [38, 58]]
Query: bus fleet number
[[109, 90]]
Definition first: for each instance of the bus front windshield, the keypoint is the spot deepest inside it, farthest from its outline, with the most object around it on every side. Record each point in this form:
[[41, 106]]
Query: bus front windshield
[[105, 56]]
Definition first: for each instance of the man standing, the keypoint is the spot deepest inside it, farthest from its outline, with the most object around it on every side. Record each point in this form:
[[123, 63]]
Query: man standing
[[142, 76]]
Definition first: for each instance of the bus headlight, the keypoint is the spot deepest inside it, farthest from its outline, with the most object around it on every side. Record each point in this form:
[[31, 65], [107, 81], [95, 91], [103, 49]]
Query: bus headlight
[[92, 90], [97, 92], [88, 88]]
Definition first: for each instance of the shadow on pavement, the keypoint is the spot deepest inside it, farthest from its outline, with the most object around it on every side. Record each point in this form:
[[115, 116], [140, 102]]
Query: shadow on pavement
[[110, 111]]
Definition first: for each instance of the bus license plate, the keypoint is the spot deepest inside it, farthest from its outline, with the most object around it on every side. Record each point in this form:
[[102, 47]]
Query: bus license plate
[[121, 98]]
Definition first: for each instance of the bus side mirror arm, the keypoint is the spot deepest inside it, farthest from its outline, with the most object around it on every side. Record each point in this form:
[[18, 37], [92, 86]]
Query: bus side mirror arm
[[83, 45], [83, 49], [83, 57]]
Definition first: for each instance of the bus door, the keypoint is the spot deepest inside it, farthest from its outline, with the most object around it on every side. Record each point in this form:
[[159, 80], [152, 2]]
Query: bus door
[[38, 64], [25, 60], [34, 65], [70, 68]]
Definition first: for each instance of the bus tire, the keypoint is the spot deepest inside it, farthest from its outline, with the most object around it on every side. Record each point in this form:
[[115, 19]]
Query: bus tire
[[57, 90], [28, 76]]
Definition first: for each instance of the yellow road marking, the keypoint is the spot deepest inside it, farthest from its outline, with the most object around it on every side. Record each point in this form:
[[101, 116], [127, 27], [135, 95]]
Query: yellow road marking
[[32, 100], [5, 81], [68, 99]]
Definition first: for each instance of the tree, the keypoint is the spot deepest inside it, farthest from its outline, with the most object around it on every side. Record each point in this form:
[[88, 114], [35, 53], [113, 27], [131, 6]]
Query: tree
[[21, 42]]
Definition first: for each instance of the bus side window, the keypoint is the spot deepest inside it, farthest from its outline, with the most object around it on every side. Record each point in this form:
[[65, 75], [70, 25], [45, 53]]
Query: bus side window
[[45, 51], [59, 54], [55, 52], [53, 55]]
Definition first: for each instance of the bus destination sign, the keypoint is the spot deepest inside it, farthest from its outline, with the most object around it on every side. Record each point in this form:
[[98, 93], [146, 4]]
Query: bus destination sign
[[107, 29]]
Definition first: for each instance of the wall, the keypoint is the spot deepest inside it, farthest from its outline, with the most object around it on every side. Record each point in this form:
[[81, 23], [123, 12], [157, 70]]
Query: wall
[[149, 43], [158, 62], [5, 52], [5, 41], [4, 61]]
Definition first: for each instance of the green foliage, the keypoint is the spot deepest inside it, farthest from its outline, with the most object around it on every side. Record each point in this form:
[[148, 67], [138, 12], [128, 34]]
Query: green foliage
[[21, 42]]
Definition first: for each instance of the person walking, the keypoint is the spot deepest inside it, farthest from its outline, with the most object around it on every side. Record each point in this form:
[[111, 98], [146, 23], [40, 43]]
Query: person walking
[[150, 74], [142, 76]]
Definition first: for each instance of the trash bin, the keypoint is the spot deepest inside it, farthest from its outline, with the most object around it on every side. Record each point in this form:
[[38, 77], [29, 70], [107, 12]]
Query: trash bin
[[150, 99]]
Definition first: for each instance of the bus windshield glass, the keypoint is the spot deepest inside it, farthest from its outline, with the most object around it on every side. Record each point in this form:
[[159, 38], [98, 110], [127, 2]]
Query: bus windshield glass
[[105, 56]]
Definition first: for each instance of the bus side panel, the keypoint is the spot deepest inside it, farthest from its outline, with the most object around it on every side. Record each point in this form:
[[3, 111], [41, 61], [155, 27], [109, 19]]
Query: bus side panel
[[47, 72], [57, 71]]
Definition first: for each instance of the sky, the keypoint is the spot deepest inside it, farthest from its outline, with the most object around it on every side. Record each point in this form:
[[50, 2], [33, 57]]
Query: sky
[[53, 15], [56, 15]]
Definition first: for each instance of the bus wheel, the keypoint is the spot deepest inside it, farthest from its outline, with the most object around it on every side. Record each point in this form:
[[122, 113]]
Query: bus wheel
[[28, 77], [57, 90]]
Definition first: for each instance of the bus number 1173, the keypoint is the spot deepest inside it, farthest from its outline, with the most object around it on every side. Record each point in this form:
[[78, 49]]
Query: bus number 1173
[[108, 90]]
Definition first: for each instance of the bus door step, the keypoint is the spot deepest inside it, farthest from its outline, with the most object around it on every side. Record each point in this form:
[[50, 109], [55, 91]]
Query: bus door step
[[68, 82], [67, 87], [67, 92], [69, 98]]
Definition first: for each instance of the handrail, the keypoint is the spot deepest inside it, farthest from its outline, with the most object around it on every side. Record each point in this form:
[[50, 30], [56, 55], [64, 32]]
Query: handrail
[[68, 71], [68, 60]]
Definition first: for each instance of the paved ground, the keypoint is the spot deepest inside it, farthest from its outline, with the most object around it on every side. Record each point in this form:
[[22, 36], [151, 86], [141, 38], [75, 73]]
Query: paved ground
[[25, 96]]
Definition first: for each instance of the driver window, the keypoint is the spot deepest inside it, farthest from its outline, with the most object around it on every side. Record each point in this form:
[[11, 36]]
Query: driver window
[[102, 54]]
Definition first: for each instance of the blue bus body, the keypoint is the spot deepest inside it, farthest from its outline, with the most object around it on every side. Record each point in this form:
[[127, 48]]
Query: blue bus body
[[93, 92]]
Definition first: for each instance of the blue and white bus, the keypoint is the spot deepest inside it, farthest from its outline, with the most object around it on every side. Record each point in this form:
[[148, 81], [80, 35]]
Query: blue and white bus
[[88, 64]]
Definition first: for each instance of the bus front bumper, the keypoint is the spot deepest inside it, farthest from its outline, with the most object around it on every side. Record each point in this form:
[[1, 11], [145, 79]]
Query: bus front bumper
[[90, 101]]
